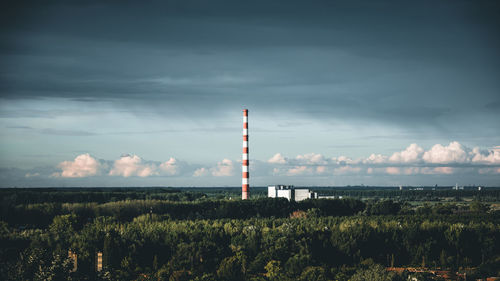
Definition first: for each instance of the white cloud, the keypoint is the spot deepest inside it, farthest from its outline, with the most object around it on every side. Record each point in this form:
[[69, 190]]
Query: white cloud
[[311, 158], [277, 159], [343, 160], [200, 172], [419, 170], [438, 160], [413, 160], [169, 167], [452, 153], [84, 165], [411, 154], [223, 169], [491, 156], [132, 165], [376, 159]]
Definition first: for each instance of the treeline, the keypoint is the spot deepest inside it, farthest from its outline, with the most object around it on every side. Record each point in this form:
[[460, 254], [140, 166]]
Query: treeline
[[303, 248], [41, 215], [492, 194], [15, 196]]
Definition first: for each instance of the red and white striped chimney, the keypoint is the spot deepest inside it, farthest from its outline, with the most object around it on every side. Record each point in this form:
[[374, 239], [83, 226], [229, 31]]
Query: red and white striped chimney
[[245, 184]]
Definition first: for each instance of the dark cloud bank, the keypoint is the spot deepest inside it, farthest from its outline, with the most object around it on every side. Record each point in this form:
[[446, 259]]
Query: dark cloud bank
[[430, 67], [416, 60]]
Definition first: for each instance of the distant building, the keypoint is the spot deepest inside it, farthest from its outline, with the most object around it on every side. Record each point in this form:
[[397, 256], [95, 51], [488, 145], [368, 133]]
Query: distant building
[[74, 258], [99, 261], [289, 192], [328, 197]]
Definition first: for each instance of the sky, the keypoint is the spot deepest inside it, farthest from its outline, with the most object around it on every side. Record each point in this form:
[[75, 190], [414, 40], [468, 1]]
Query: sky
[[151, 93]]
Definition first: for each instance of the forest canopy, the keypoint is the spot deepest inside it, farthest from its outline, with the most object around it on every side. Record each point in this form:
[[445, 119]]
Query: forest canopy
[[201, 237]]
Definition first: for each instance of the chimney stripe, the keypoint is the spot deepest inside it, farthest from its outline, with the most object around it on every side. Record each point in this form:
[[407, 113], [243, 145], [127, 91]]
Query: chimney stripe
[[245, 175]]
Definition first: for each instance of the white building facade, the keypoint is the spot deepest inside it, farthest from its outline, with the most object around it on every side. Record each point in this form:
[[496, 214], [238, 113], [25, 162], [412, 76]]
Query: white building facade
[[289, 192]]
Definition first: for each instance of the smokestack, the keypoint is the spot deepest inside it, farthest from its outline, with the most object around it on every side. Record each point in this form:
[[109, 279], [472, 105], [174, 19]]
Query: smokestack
[[245, 184]]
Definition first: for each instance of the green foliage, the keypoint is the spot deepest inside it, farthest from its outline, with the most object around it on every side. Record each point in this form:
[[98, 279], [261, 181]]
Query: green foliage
[[63, 224], [386, 207], [180, 275], [41, 265], [230, 269], [478, 207], [111, 252], [279, 248], [313, 273], [246, 240], [4, 229], [374, 272], [58, 268], [296, 263], [313, 213], [274, 270], [40, 215]]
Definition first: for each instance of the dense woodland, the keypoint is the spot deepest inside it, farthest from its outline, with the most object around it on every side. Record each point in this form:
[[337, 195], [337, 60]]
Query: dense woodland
[[194, 234]]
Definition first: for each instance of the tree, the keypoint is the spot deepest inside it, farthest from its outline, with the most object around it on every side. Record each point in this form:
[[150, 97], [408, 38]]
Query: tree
[[180, 275], [49, 267], [386, 207], [296, 263], [375, 272], [313, 273], [478, 207], [62, 229], [230, 269], [111, 250], [274, 270]]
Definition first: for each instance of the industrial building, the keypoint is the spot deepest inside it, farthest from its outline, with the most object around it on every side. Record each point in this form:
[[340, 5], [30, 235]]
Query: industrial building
[[290, 192], [274, 191]]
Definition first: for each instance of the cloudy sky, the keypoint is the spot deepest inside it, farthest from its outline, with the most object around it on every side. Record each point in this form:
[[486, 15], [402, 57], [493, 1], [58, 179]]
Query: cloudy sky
[[141, 93]]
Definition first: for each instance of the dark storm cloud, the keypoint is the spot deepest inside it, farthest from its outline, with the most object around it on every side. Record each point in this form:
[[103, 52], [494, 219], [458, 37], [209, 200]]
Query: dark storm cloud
[[419, 63]]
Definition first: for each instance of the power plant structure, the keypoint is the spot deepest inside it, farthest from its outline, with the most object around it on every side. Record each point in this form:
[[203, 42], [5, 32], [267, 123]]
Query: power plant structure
[[274, 191], [245, 183], [290, 192]]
